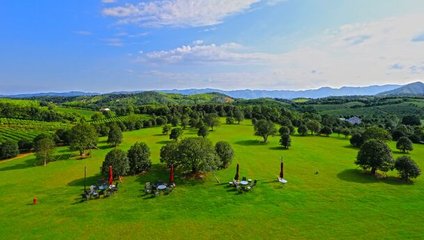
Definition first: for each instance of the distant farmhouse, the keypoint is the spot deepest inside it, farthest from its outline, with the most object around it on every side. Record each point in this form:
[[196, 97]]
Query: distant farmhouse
[[104, 109], [353, 120]]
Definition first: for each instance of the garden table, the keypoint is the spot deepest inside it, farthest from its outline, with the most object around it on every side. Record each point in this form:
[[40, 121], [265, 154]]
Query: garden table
[[162, 187]]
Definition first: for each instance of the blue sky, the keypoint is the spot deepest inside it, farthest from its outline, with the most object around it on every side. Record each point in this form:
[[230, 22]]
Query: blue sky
[[114, 45]]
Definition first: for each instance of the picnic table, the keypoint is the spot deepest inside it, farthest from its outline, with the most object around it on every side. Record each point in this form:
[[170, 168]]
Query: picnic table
[[161, 187]]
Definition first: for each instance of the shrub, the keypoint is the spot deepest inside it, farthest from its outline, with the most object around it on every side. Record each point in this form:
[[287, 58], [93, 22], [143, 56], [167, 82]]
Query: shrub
[[407, 168], [225, 152], [9, 149], [139, 158], [118, 160]]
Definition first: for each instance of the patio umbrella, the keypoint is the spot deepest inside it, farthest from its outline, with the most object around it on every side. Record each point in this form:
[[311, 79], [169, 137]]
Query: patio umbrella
[[171, 174], [85, 178], [236, 177], [110, 175], [281, 169]]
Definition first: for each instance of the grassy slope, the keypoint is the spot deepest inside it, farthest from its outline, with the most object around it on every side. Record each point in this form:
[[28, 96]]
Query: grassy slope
[[83, 112], [338, 203]]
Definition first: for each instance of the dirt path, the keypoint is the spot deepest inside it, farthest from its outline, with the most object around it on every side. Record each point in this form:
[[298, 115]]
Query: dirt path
[[17, 157]]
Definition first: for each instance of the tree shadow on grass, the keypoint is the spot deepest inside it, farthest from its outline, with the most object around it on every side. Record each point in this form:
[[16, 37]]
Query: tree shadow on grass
[[351, 147], [26, 164], [279, 148], [250, 143], [91, 180], [164, 142], [107, 146], [359, 176], [160, 135]]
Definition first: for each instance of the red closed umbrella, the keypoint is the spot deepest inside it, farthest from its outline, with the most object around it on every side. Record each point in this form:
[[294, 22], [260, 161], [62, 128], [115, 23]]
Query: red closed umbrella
[[171, 174], [110, 175], [236, 177], [282, 170]]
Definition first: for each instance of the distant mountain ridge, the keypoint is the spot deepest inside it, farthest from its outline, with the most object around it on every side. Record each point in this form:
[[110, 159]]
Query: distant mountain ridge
[[291, 94], [414, 89], [51, 94]]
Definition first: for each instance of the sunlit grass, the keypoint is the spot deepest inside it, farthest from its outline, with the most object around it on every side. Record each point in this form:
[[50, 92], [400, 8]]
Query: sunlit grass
[[340, 202]]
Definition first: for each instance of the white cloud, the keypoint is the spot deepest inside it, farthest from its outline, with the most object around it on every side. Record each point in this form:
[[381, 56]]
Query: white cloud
[[199, 52], [379, 52], [181, 13], [109, 1]]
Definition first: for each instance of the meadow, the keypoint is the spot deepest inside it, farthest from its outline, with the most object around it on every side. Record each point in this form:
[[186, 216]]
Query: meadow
[[326, 197]]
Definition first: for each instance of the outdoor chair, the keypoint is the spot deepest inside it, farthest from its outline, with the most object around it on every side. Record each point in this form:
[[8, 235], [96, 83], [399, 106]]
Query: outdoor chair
[[148, 187], [85, 195], [115, 188], [244, 179], [254, 183]]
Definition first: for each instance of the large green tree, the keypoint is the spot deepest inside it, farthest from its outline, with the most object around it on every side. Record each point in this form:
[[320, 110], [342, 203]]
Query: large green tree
[[212, 120], [203, 131], [314, 126], [404, 144], [376, 133], [264, 128], [285, 141], [139, 158], [176, 133], [118, 159], [375, 154], [302, 130], [115, 135], [83, 137], [238, 115], [225, 153], [191, 155], [44, 150]]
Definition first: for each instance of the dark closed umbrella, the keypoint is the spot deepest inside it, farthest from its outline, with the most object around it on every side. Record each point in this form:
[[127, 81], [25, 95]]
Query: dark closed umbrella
[[85, 178], [110, 175], [171, 174], [282, 170], [236, 177]]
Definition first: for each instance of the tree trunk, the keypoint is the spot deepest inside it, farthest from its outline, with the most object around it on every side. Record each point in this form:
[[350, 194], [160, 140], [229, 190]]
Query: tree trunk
[[373, 170], [265, 139]]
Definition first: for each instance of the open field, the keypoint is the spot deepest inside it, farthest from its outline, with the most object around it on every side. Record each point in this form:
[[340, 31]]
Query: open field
[[338, 203]]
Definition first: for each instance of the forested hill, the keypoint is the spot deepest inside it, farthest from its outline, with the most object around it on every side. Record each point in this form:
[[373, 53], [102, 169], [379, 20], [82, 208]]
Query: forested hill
[[412, 89], [136, 99]]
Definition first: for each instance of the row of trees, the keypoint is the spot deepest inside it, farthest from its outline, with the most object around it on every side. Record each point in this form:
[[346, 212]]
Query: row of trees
[[376, 155]]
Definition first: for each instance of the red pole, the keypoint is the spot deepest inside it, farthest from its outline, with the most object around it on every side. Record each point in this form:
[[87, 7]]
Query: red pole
[[34, 201]]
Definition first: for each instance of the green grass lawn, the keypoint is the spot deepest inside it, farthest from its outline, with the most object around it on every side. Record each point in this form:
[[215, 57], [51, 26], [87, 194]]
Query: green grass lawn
[[338, 203]]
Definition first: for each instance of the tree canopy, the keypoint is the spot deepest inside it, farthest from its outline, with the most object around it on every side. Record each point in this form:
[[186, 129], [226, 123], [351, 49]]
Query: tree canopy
[[375, 154], [191, 155], [83, 137], [407, 168], [264, 128], [139, 158], [118, 159]]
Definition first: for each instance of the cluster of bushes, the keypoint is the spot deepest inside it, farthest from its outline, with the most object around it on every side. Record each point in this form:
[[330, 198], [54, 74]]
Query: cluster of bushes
[[8, 149], [135, 161]]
